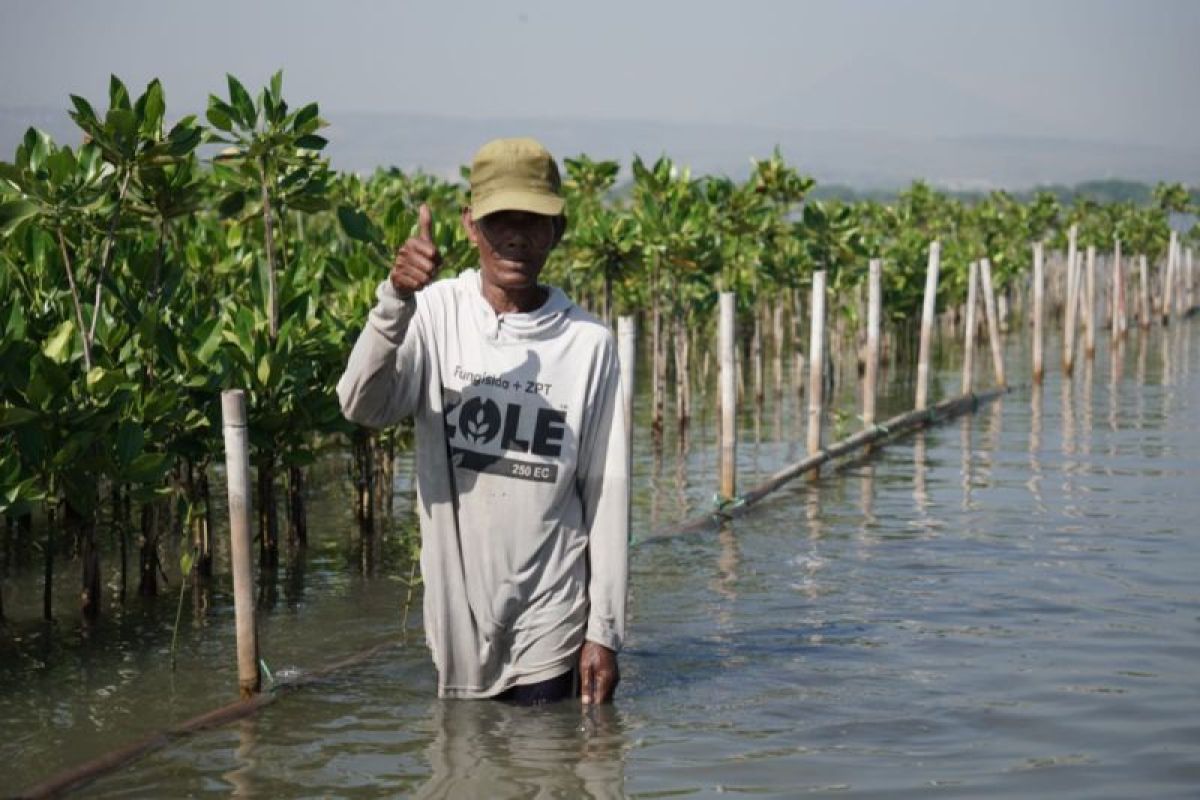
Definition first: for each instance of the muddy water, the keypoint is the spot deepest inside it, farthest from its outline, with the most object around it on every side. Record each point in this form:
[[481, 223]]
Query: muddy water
[[1006, 606]]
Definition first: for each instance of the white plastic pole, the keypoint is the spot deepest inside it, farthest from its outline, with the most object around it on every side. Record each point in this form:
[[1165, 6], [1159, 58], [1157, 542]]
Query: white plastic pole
[[927, 312], [728, 385]]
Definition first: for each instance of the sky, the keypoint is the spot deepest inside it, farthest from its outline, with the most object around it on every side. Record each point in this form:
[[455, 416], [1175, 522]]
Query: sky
[[1100, 70]]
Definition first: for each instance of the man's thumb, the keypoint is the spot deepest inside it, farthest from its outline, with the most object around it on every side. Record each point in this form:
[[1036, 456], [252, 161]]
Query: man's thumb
[[425, 223]]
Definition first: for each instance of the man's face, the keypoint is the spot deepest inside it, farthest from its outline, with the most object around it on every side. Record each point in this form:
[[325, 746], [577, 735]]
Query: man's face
[[513, 245]]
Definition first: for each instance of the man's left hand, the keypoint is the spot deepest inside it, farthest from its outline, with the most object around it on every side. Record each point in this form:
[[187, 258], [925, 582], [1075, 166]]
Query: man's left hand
[[598, 673]]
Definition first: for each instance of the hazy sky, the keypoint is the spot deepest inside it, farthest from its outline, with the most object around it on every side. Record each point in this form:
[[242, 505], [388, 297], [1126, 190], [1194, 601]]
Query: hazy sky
[[1095, 69]]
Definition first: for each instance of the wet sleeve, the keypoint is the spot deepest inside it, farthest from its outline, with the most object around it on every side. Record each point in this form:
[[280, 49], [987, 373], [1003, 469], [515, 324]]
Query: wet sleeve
[[604, 486], [384, 377]]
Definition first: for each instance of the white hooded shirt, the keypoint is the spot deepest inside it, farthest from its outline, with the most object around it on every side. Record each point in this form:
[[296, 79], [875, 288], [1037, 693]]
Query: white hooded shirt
[[522, 475]]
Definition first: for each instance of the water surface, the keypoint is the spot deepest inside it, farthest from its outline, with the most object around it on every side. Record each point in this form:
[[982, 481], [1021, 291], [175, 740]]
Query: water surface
[[1005, 606]]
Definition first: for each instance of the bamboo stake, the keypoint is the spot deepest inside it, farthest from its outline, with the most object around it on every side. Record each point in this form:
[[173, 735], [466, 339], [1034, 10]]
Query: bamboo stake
[[968, 369], [1068, 358], [237, 466], [871, 369], [1144, 309], [727, 377], [816, 362], [626, 356], [927, 312], [1089, 309], [1039, 288], [989, 307], [1168, 282]]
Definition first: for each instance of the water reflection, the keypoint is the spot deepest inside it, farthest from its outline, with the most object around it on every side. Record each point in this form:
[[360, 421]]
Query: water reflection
[[920, 490], [494, 750], [1034, 483], [866, 505], [1085, 416], [241, 777], [811, 563], [964, 436], [1068, 418], [728, 561], [1115, 362]]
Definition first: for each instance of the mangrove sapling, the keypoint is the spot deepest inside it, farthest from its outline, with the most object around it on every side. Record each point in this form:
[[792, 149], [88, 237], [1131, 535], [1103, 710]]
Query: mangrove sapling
[[187, 561]]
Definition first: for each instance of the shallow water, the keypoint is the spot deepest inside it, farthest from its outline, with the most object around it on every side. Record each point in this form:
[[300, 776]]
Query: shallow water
[[1005, 606]]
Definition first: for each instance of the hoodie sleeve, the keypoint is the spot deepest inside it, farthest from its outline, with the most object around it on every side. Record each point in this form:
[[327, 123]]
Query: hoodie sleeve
[[604, 486], [387, 367]]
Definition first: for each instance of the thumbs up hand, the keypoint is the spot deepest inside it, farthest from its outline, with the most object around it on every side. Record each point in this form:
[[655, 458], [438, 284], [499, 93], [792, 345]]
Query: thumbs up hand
[[418, 260]]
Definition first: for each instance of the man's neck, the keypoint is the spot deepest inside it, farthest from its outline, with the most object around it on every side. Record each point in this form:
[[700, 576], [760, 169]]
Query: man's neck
[[514, 301]]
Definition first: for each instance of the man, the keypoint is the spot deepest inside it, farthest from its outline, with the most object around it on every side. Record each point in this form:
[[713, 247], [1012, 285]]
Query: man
[[522, 465]]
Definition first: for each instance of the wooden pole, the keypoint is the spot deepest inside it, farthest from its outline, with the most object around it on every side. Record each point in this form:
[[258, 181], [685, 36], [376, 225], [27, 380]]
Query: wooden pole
[[1089, 307], [816, 362], [1068, 358], [728, 384], [968, 369], [627, 357], [1039, 290], [871, 369], [989, 307], [237, 467], [1144, 306], [1168, 281], [927, 312]]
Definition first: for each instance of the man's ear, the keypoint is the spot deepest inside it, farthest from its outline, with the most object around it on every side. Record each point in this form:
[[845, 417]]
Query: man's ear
[[468, 223]]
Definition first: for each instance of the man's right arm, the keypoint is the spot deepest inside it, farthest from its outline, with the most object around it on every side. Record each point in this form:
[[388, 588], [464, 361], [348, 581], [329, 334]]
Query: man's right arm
[[384, 378]]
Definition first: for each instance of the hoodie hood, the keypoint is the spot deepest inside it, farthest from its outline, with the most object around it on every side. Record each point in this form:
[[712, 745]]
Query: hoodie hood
[[541, 323]]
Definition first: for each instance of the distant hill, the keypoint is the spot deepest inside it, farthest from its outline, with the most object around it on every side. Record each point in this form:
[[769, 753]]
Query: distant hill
[[861, 160]]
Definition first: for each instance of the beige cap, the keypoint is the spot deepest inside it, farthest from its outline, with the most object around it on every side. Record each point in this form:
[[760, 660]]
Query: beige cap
[[515, 175]]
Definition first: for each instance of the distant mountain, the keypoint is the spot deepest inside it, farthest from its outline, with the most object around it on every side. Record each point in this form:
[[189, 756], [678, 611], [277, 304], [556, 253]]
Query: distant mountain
[[361, 141]]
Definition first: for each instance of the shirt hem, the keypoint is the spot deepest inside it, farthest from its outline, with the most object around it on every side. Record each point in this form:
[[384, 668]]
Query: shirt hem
[[475, 693]]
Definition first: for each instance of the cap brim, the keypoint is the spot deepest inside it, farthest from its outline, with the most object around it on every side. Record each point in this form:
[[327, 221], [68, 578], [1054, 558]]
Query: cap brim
[[512, 200]]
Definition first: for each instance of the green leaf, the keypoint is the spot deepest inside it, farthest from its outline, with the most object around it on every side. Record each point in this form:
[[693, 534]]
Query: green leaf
[[264, 370], [148, 468], [84, 114], [239, 98], [232, 205], [12, 415], [186, 560], [357, 225], [130, 440], [219, 114], [102, 382], [306, 117], [151, 107], [118, 95], [13, 212], [312, 141], [122, 124], [209, 337], [35, 146], [15, 329], [57, 348], [11, 173]]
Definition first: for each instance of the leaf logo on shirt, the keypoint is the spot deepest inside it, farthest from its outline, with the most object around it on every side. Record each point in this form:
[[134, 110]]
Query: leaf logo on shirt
[[479, 420]]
